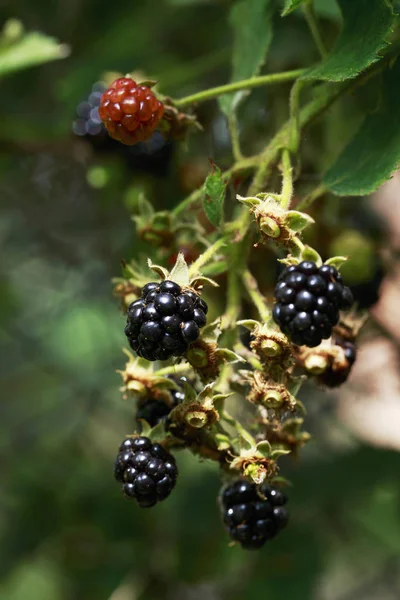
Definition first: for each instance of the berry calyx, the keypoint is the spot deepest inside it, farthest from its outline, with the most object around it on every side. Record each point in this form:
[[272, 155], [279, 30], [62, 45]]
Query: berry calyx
[[252, 514], [164, 321], [130, 112], [308, 301], [146, 471]]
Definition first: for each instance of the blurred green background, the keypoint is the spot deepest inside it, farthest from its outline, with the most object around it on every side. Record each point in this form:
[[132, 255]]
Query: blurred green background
[[66, 533]]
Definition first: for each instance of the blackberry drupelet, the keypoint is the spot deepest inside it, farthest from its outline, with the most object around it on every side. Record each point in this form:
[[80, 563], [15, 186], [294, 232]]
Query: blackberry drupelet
[[164, 321], [147, 472], [130, 112], [88, 122], [154, 410], [309, 299], [253, 515]]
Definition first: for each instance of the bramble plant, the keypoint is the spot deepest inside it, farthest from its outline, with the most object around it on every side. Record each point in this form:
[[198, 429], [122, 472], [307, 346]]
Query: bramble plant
[[173, 331]]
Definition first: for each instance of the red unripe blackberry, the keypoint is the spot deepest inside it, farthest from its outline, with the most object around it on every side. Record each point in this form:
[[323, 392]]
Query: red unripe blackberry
[[252, 514], [130, 112], [146, 471]]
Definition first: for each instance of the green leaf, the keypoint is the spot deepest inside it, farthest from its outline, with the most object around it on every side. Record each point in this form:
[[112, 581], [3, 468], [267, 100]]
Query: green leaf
[[251, 21], [290, 5], [374, 153], [214, 195], [28, 50], [366, 28]]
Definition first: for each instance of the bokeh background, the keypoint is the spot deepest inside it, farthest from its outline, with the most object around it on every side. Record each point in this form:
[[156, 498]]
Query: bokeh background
[[66, 533]]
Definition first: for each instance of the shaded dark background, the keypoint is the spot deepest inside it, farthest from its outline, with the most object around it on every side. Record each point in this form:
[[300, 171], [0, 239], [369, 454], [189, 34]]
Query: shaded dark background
[[65, 531]]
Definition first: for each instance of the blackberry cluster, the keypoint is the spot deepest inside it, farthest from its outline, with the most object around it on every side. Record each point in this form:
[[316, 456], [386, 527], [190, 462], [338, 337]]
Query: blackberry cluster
[[308, 302], [130, 112], [154, 410], [164, 321], [333, 377], [147, 472], [253, 515]]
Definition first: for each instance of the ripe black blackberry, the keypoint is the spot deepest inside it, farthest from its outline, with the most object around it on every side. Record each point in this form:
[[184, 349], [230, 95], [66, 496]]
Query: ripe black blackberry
[[164, 321], [308, 302], [253, 515], [337, 373], [154, 410], [147, 472]]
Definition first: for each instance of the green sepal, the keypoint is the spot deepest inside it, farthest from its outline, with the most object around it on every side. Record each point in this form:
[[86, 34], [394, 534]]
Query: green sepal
[[264, 448], [337, 261], [309, 253], [252, 201], [249, 324], [277, 452], [297, 221], [180, 271], [157, 269], [229, 355], [211, 332], [200, 281], [223, 441]]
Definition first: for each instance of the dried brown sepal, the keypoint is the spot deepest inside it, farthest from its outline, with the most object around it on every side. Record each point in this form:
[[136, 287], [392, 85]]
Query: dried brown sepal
[[270, 394], [204, 358], [255, 467], [194, 415], [175, 124], [273, 349], [283, 433], [126, 291], [276, 223], [328, 363], [142, 384]]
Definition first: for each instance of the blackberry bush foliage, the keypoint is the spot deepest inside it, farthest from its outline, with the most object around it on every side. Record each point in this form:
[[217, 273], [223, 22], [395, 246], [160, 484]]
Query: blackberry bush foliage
[[242, 223]]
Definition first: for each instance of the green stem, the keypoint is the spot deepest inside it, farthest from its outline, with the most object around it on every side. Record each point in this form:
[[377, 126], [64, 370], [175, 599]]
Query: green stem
[[294, 104], [256, 296], [234, 132], [206, 256], [312, 23], [320, 190], [287, 179], [306, 115], [238, 261], [245, 84], [263, 163]]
